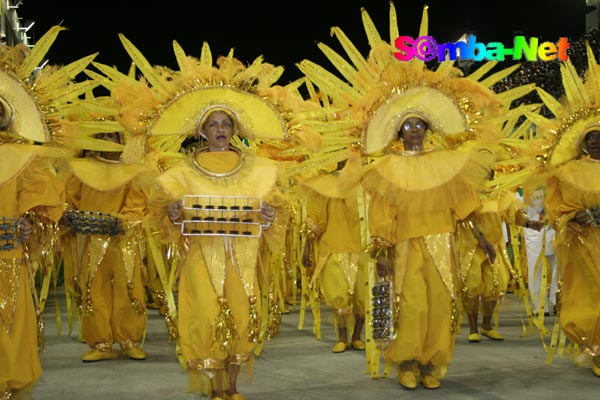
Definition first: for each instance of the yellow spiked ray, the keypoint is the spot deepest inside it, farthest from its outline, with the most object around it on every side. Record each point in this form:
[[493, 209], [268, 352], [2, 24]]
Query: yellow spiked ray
[[144, 66], [573, 114], [39, 52]]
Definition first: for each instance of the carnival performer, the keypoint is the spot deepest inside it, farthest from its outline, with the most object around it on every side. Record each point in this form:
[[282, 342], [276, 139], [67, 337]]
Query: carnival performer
[[32, 107], [105, 208], [218, 292], [219, 206], [411, 120], [485, 282], [334, 228], [412, 224], [571, 205]]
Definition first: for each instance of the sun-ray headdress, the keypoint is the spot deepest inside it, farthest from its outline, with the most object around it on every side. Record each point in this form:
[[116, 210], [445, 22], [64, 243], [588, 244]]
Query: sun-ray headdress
[[165, 105], [44, 105], [378, 92], [574, 115]]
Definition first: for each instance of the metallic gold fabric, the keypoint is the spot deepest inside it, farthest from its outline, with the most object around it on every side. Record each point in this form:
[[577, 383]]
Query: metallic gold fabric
[[9, 285]]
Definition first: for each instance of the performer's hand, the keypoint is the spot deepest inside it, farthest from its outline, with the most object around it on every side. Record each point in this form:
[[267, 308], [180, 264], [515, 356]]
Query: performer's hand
[[306, 260], [535, 225], [25, 225], [267, 212], [487, 248], [384, 266], [583, 218], [175, 210]]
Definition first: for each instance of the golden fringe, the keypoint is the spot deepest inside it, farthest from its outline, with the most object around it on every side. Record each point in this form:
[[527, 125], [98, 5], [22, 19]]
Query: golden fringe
[[87, 308], [224, 327], [137, 305], [171, 327], [275, 316], [254, 322]]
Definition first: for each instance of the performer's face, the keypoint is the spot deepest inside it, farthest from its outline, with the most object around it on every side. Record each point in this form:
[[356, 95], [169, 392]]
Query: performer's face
[[412, 132], [218, 130], [592, 144]]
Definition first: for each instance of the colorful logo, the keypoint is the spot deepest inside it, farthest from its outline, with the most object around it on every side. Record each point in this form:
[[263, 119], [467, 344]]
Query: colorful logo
[[426, 48]]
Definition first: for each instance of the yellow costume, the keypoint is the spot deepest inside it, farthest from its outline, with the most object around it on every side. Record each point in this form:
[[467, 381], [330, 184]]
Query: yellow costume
[[573, 187], [28, 184], [113, 290], [416, 199], [33, 103], [218, 276], [484, 281], [334, 219], [573, 172]]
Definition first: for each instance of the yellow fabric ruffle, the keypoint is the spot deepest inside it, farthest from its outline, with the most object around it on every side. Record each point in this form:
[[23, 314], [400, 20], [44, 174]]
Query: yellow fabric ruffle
[[15, 158], [104, 176], [409, 183]]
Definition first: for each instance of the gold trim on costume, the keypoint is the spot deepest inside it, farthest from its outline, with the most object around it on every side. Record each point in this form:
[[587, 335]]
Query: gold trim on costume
[[10, 269], [205, 364]]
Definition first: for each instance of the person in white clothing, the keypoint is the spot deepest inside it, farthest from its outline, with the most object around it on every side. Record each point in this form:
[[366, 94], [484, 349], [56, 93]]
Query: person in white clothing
[[536, 242]]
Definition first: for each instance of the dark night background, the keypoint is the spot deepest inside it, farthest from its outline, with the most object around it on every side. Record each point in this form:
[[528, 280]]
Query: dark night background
[[284, 33]]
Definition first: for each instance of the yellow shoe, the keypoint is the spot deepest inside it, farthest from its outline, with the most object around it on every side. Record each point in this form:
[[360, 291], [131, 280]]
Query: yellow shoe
[[358, 344], [236, 396], [429, 382], [21, 394], [339, 347], [135, 353], [492, 334], [596, 365], [474, 337], [97, 355], [407, 379]]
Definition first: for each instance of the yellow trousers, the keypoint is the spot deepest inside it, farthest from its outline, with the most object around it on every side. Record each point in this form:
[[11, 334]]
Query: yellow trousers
[[424, 325], [19, 358], [114, 319]]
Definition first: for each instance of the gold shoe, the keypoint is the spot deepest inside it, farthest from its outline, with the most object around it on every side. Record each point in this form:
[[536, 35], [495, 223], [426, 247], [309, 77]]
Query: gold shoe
[[474, 337], [596, 365], [429, 382], [135, 353], [339, 347], [21, 394], [358, 344], [235, 396], [492, 334], [407, 379], [97, 355]]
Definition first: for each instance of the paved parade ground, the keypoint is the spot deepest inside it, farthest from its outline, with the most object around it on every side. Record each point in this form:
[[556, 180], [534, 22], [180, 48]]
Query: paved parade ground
[[296, 366]]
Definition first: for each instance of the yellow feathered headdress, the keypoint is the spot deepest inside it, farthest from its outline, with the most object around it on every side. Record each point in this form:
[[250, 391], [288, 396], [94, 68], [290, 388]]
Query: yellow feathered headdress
[[379, 90], [167, 105], [576, 114], [45, 105]]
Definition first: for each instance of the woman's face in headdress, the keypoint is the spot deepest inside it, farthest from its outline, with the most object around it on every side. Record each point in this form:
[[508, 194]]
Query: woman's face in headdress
[[412, 132], [218, 130], [592, 144]]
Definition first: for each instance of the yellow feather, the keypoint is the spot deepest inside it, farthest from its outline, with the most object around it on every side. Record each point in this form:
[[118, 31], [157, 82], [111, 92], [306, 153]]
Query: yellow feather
[[553, 105], [144, 66], [394, 32], [572, 84], [39, 52], [65, 74], [206, 55], [357, 59], [372, 34], [328, 82], [344, 68]]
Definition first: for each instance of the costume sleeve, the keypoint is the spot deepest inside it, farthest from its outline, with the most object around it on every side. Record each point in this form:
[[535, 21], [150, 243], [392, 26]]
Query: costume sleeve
[[382, 219], [557, 209], [275, 236], [40, 190], [316, 213]]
